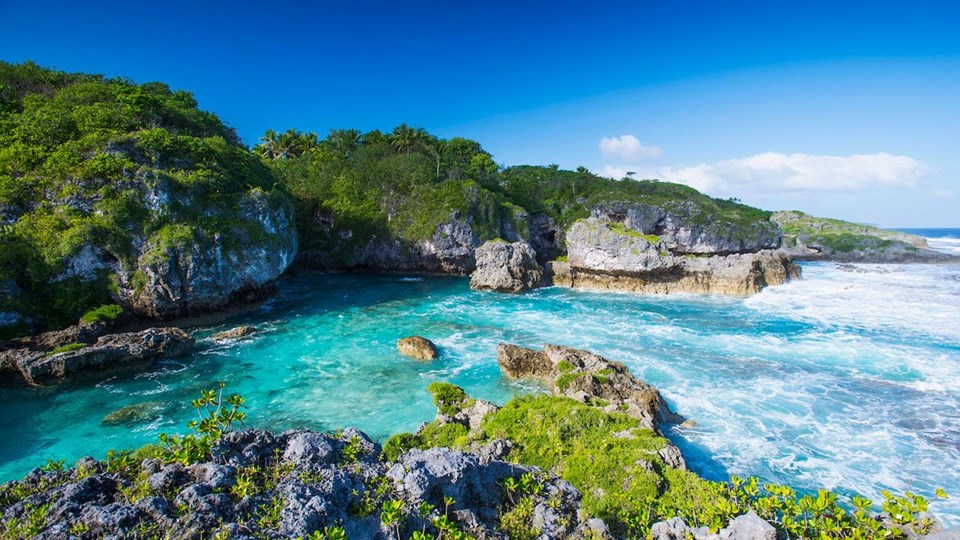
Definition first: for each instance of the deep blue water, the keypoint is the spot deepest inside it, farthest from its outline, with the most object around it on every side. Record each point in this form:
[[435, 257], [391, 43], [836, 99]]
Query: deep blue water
[[847, 379]]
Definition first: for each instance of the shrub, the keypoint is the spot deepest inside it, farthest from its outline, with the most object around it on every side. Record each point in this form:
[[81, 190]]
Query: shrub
[[105, 313]]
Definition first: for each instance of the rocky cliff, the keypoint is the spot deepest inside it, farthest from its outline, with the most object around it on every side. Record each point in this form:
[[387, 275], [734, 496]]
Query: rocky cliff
[[604, 254], [114, 192], [809, 237]]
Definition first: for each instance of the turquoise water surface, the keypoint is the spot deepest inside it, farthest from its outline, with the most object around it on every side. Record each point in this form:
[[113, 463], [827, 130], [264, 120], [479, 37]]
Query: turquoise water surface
[[847, 379]]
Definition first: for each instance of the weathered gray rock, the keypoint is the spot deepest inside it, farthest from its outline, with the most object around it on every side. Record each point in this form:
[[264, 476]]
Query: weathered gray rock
[[683, 227], [606, 255], [235, 333], [323, 487], [111, 350], [749, 526], [506, 267], [206, 274], [418, 347], [589, 378]]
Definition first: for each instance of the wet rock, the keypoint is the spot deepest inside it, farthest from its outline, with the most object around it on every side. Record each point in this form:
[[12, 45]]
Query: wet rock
[[418, 347], [111, 350], [235, 333], [506, 267]]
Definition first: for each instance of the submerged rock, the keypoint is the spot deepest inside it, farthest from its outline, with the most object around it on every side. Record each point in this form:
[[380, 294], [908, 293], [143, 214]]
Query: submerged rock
[[139, 413], [235, 333], [418, 347], [506, 267], [111, 350]]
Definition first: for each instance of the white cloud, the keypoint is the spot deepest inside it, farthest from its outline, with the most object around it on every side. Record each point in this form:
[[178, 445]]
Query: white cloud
[[628, 149], [772, 172]]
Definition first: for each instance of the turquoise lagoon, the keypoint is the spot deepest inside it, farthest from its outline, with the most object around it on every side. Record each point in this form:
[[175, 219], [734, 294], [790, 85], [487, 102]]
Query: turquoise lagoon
[[847, 379]]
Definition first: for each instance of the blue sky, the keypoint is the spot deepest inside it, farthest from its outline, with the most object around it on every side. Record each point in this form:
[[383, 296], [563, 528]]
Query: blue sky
[[844, 109]]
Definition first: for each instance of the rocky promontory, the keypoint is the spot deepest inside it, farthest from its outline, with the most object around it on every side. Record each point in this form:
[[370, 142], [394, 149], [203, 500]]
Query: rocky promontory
[[813, 238], [604, 254]]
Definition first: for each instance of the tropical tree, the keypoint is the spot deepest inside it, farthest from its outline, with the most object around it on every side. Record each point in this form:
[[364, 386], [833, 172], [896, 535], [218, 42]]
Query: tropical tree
[[405, 138]]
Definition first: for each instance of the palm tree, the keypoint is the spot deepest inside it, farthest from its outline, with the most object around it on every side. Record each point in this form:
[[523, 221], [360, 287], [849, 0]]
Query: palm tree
[[405, 138], [268, 145]]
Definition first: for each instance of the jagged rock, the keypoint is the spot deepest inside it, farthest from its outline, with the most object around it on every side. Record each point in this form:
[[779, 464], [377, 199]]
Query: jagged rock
[[418, 347], [235, 333], [749, 526], [109, 351], [683, 227], [590, 378], [312, 481], [506, 267], [172, 280], [605, 255]]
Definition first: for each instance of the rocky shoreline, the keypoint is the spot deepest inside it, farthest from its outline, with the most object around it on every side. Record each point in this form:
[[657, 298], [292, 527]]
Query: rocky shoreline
[[252, 483]]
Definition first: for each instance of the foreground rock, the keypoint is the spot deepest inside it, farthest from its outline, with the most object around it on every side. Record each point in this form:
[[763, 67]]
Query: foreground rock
[[608, 255], [112, 350], [506, 267], [418, 347], [235, 333], [589, 378], [809, 237], [315, 481]]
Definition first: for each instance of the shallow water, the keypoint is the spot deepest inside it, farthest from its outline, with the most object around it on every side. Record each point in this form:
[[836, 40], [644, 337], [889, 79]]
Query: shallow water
[[847, 379]]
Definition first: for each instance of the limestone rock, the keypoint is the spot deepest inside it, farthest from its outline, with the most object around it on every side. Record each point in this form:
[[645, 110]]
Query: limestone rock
[[111, 350], [590, 378], [683, 227], [749, 526], [235, 333], [418, 347], [605, 255], [506, 267]]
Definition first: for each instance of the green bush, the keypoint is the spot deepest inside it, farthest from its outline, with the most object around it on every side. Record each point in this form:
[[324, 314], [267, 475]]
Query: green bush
[[104, 313]]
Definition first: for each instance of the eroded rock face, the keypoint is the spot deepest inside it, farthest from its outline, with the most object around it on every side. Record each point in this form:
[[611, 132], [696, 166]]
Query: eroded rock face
[[683, 229], [319, 480], [112, 350], [604, 255], [173, 280], [506, 267], [589, 378], [418, 347]]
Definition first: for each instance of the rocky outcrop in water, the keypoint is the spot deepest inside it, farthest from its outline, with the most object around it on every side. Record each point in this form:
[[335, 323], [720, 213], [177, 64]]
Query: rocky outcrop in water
[[304, 482], [608, 255], [235, 333], [588, 378], [418, 347], [809, 237], [39, 366], [506, 267]]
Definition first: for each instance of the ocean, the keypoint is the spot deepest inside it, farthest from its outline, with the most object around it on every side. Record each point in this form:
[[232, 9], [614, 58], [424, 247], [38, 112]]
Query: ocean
[[848, 379]]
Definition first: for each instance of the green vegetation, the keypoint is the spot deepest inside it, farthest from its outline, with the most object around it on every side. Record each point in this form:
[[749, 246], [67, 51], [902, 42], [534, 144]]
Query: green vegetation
[[67, 348], [90, 167], [109, 312], [840, 237], [615, 463], [448, 398]]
